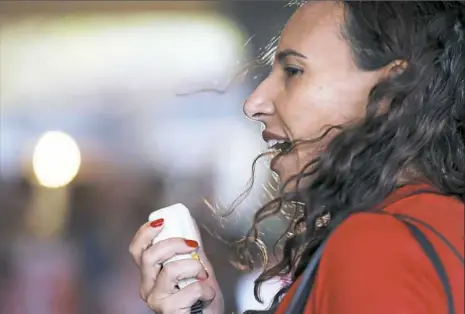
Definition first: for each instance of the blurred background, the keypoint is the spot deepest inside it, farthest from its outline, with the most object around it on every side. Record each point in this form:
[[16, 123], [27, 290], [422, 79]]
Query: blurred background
[[101, 123]]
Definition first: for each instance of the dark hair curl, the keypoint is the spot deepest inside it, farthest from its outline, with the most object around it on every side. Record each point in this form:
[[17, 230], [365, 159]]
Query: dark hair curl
[[414, 129]]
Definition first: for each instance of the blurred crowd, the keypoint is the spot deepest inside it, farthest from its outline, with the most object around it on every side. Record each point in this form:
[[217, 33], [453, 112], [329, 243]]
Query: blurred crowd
[[86, 268], [120, 78]]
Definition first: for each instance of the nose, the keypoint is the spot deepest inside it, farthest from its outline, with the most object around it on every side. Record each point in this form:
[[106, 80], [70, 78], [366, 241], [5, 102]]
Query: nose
[[259, 105]]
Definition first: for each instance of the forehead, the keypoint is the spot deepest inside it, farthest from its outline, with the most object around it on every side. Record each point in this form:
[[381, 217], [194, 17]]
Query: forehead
[[315, 23]]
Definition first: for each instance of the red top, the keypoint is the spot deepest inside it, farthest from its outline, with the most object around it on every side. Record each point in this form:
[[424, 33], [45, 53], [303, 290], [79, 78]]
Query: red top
[[372, 264]]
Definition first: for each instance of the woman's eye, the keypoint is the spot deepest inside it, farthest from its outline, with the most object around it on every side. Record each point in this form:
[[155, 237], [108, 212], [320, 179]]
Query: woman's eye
[[292, 71]]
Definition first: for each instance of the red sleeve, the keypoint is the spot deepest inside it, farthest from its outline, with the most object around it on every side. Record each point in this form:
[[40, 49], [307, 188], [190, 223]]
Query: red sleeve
[[372, 265]]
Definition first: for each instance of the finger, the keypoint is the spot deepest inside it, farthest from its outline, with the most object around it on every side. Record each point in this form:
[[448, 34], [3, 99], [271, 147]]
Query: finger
[[199, 290], [143, 239], [183, 299], [173, 272], [156, 255], [205, 262]]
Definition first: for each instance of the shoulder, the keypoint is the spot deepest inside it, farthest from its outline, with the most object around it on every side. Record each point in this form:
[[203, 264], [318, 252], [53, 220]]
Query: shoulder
[[372, 259], [362, 230], [421, 203], [366, 236], [372, 264], [379, 247]]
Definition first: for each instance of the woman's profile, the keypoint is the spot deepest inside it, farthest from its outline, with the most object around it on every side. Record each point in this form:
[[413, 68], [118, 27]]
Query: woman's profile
[[365, 111]]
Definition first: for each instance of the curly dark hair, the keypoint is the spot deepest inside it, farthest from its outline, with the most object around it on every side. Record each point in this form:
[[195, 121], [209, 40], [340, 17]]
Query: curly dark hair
[[413, 131]]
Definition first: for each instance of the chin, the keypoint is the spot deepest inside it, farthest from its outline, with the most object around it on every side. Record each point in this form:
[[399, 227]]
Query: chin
[[277, 169], [284, 175], [287, 168]]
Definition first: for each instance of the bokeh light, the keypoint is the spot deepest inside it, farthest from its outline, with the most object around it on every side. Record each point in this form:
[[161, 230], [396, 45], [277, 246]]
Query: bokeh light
[[56, 159]]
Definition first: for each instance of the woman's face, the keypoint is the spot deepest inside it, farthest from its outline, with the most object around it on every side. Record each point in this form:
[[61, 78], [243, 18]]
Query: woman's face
[[314, 84]]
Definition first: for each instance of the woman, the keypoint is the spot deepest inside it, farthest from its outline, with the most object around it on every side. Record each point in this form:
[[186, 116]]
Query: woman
[[367, 103]]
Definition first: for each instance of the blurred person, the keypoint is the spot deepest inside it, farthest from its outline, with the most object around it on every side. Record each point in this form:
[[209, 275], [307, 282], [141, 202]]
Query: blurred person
[[44, 277], [365, 111], [37, 273]]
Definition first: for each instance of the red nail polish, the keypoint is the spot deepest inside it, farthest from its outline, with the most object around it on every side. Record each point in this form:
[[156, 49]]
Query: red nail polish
[[191, 243], [157, 223]]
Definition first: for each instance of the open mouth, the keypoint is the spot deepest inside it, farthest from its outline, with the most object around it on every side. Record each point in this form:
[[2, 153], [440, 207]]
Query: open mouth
[[279, 146]]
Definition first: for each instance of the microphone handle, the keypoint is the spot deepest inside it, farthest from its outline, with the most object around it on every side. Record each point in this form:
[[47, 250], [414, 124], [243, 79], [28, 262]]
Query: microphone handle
[[197, 308]]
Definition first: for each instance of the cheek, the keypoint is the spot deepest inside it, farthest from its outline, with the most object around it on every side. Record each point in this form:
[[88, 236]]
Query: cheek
[[341, 104], [309, 112]]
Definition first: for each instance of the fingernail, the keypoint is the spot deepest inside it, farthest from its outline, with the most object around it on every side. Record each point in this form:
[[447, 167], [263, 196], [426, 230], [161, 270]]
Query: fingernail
[[191, 243], [157, 223]]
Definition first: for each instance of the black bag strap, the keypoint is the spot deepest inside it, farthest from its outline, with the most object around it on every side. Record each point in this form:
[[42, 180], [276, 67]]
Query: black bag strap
[[300, 297], [406, 218], [433, 256]]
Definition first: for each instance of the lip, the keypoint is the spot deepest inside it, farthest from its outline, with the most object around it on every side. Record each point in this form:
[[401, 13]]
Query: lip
[[268, 136]]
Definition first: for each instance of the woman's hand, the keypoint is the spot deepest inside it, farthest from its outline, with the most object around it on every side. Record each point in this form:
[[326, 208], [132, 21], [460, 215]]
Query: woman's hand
[[158, 286]]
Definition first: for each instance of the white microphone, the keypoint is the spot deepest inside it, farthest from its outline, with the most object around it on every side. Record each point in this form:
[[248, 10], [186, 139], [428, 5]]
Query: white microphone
[[178, 223]]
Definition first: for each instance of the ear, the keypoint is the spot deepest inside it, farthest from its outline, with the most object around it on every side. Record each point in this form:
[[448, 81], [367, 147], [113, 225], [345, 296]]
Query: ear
[[396, 67], [391, 70]]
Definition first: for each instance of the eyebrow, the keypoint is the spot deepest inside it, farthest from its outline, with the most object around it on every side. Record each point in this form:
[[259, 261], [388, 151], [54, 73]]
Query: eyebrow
[[280, 56]]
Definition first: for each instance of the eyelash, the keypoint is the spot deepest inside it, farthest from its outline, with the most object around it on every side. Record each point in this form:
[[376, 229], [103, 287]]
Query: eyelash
[[292, 71]]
